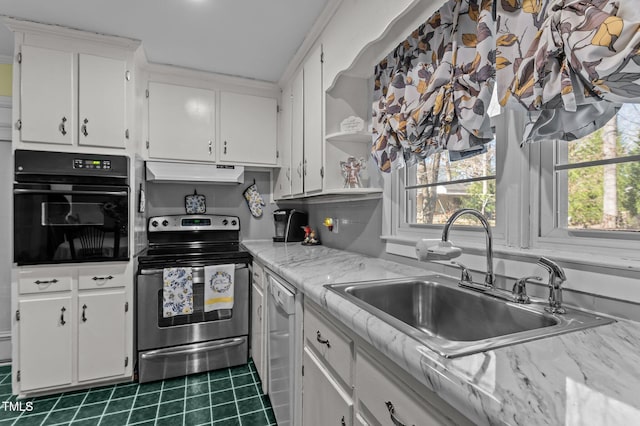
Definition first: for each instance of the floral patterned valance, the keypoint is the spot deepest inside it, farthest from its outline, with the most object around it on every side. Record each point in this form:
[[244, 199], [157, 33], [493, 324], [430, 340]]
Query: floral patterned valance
[[568, 64], [432, 92]]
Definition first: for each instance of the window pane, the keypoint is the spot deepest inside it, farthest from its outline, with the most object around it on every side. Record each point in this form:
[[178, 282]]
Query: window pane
[[435, 204], [606, 197], [438, 168]]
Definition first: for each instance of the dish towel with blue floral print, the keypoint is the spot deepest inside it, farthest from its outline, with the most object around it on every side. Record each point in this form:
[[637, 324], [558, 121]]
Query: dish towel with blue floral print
[[177, 293], [218, 287]]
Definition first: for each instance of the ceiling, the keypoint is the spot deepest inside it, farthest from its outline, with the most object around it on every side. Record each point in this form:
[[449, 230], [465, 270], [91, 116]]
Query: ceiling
[[248, 38]]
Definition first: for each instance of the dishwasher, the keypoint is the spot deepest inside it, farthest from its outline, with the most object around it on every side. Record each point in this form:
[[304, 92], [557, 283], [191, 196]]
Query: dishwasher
[[285, 352]]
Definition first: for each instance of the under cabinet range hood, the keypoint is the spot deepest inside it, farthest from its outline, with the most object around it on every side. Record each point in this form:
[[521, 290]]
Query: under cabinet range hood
[[160, 171]]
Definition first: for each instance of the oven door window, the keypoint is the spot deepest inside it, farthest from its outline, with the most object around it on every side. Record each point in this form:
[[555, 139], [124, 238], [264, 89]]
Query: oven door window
[[65, 223]]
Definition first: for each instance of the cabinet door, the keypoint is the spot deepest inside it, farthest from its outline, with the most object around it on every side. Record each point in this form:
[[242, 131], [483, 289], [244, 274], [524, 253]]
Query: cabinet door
[[45, 342], [313, 96], [257, 331], [248, 128], [181, 122], [101, 335], [323, 401], [297, 133], [282, 184], [46, 96], [101, 101]]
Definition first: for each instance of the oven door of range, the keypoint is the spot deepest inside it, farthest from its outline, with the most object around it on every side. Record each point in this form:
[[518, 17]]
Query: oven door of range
[[154, 331]]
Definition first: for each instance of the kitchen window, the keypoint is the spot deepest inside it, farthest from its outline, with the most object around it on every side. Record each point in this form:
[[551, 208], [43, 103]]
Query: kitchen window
[[590, 188], [424, 195]]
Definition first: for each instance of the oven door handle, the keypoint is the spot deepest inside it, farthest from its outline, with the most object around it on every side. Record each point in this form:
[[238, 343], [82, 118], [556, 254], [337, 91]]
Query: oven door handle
[[59, 191], [160, 270], [205, 347]]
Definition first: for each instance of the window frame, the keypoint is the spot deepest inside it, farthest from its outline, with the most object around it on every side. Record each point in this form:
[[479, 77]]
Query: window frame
[[526, 203], [551, 203]]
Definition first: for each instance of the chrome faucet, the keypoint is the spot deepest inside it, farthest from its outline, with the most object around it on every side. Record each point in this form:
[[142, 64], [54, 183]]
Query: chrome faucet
[[556, 278], [489, 279]]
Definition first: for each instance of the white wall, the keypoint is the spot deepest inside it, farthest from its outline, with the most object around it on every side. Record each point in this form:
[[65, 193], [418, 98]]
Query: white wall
[[6, 255]]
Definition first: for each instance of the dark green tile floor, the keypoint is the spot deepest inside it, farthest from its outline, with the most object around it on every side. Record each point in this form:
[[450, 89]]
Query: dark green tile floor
[[228, 397]]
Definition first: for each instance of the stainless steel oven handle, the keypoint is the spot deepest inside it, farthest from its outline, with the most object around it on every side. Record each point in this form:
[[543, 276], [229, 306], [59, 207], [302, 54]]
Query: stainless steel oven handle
[[197, 268], [58, 191], [161, 353]]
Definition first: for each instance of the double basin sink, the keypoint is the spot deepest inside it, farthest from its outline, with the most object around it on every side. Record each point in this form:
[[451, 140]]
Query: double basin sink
[[454, 321]]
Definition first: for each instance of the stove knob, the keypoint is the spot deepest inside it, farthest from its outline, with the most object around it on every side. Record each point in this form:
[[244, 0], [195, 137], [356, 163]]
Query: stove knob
[[234, 222], [154, 223], [225, 222], [165, 222]]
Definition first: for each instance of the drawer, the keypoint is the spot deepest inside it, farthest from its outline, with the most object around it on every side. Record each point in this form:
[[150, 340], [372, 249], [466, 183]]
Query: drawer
[[331, 345], [110, 276], [258, 275], [379, 394], [44, 280]]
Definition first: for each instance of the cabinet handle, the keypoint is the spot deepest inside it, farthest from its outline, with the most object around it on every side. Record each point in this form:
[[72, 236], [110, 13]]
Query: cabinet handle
[[210, 147], [304, 167], [61, 126], [225, 147], [38, 282], [83, 128], [62, 311], [321, 340], [84, 316], [288, 173], [299, 169], [102, 278], [259, 313], [342, 422], [392, 414]]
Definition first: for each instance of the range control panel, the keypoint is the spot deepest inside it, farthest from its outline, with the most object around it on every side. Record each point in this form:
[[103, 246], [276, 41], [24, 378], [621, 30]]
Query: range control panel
[[194, 223]]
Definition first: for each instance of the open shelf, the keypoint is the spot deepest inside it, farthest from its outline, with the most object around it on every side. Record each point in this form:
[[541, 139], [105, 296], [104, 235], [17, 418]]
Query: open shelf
[[362, 137]]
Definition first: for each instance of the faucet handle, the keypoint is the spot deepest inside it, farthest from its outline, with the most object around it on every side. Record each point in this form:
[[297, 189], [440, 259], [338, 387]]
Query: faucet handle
[[519, 290], [465, 274]]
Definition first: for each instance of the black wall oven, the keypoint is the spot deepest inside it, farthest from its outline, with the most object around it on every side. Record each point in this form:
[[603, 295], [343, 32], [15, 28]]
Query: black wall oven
[[70, 208]]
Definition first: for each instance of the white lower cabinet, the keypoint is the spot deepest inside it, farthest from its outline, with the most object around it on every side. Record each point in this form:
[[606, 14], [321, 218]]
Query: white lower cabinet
[[257, 331], [45, 326], [384, 400], [101, 335], [347, 381], [324, 402], [72, 327]]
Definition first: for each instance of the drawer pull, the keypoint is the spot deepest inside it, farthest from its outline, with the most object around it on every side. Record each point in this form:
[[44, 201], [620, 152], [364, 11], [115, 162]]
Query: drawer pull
[[392, 414], [102, 278], [38, 282], [321, 340]]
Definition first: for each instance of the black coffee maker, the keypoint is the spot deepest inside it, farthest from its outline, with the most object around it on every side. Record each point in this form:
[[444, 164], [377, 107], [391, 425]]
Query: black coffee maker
[[289, 225]]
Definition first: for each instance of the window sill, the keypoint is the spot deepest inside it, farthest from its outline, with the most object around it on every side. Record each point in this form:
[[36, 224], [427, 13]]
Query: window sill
[[405, 246]]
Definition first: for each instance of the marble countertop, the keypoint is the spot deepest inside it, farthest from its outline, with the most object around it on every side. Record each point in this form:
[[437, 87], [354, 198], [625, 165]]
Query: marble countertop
[[585, 377]]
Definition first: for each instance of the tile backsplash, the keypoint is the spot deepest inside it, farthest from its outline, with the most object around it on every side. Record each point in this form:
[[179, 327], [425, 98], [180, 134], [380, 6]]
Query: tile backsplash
[[223, 199]]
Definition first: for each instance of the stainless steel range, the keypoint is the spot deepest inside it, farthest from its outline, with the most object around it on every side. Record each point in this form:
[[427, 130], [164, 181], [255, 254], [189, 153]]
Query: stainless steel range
[[197, 341]]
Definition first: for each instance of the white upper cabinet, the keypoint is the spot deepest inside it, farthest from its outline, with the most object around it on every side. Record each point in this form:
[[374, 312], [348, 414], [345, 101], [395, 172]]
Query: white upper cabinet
[[181, 122], [313, 118], [282, 176], [297, 134], [46, 91], [248, 129], [102, 101], [56, 109]]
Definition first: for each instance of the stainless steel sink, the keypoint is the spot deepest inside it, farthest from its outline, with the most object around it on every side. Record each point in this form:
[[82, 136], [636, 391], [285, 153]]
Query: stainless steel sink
[[453, 321]]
